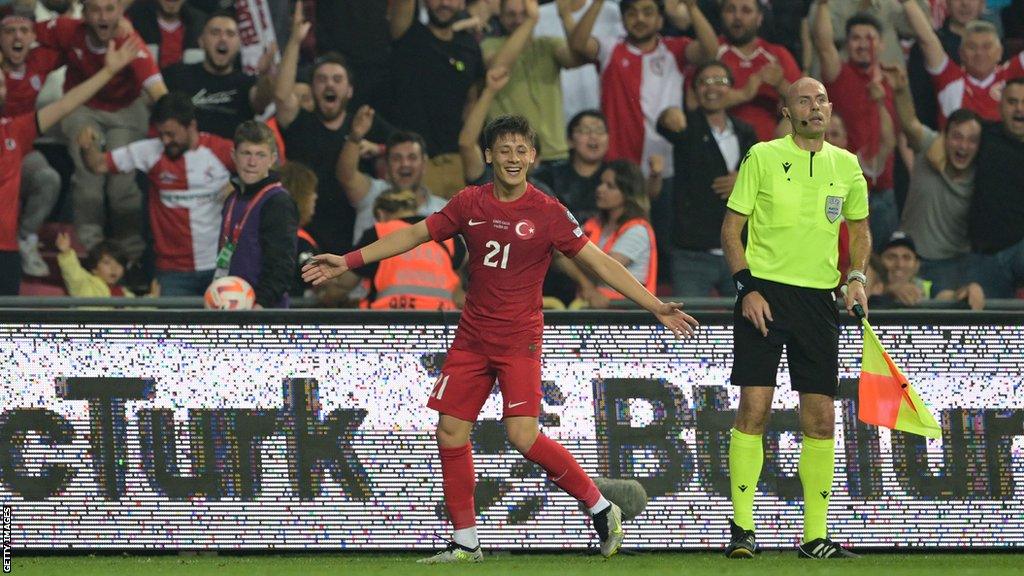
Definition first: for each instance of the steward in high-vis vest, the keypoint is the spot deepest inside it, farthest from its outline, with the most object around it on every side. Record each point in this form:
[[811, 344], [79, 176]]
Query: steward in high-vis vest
[[621, 229], [425, 278]]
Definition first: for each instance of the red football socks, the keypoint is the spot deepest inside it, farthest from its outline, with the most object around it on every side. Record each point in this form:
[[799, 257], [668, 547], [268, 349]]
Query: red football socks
[[563, 470], [459, 484]]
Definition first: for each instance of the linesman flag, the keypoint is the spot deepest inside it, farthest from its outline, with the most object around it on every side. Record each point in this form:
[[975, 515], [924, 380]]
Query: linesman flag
[[885, 396]]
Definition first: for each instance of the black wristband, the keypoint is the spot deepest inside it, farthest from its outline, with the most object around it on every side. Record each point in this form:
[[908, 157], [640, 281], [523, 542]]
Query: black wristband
[[745, 283]]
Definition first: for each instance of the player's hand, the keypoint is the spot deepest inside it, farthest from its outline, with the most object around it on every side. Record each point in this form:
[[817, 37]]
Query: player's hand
[[154, 288], [124, 28], [756, 310], [723, 185], [118, 58], [63, 242], [87, 138], [323, 267], [497, 78], [361, 122], [906, 294], [672, 316], [855, 294]]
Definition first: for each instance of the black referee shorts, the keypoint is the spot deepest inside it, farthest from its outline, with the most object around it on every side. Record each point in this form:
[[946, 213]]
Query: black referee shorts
[[806, 323]]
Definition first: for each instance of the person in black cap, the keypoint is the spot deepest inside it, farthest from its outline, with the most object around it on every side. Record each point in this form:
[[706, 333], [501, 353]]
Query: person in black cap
[[903, 287]]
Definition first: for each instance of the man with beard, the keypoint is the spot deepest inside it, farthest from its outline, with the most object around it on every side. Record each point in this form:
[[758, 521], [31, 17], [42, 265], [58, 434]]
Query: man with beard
[[975, 84], [406, 158], [850, 85], [25, 69], [119, 113], [170, 27], [46, 10], [941, 186], [317, 138], [223, 95], [187, 171], [707, 145], [746, 54], [435, 75], [630, 104]]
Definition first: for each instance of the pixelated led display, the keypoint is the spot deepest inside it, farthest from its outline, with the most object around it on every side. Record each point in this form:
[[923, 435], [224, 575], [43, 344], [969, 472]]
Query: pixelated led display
[[309, 436]]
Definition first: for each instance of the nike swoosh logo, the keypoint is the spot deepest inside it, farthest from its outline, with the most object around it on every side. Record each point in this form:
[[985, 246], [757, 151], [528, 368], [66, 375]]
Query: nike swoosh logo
[[476, 222], [560, 477], [513, 405]]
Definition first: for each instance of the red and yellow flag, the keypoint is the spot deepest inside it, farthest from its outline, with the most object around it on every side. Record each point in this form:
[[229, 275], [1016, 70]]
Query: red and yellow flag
[[886, 398]]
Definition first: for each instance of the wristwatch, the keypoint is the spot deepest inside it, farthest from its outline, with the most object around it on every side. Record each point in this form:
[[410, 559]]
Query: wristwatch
[[858, 276]]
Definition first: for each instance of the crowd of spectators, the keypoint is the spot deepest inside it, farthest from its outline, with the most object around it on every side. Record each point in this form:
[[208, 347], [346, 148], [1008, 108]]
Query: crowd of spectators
[[371, 113]]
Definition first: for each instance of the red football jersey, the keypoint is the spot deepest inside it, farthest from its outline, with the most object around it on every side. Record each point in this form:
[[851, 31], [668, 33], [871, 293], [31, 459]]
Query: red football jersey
[[23, 87], [16, 137], [955, 88], [763, 111], [84, 59], [509, 245]]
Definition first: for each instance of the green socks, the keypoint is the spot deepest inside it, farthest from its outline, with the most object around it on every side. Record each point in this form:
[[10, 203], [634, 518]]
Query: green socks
[[746, 454], [817, 463]]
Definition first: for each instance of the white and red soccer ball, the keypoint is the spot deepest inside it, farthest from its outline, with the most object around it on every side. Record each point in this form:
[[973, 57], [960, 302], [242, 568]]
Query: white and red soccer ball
[[229, 293]]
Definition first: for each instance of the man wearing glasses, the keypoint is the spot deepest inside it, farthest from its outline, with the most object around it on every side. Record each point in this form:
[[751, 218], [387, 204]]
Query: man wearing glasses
[[707, 145]]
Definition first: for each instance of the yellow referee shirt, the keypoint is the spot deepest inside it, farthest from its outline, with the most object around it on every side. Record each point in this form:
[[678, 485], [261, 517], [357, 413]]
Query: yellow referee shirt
[[795, 200]]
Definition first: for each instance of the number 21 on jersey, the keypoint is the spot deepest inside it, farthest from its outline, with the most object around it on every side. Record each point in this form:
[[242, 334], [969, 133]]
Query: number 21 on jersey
[[496, 250]]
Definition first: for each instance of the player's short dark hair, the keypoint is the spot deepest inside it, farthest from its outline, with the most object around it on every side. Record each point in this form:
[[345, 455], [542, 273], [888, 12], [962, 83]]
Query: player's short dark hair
[[255, 132], [964, 115], [625, 5], [403, 136], [711, 64], [105, 248], [574, 123], [332, 58], [505, 125], [863, 19], [630, 180], [174, 105]]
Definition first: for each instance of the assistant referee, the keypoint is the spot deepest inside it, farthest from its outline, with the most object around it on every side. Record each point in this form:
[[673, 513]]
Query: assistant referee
[[792, 193]]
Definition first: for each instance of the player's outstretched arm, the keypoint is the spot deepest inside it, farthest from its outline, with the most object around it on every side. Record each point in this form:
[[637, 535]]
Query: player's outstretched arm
[[616, 276], [323, 267]]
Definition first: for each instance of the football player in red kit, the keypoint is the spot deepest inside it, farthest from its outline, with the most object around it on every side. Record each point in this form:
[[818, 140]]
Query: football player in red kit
[[510, 228]]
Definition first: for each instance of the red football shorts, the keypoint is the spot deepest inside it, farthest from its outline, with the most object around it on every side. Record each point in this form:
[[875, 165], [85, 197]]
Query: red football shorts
[[467, 379]]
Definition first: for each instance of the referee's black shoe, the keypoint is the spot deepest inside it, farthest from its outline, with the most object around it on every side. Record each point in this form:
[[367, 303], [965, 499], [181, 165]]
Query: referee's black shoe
[[823, 549], [741, 542]]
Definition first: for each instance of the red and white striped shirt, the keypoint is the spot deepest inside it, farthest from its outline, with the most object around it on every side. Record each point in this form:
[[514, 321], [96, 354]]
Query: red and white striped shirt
[[184, 200], [636, 87], [956, 89]]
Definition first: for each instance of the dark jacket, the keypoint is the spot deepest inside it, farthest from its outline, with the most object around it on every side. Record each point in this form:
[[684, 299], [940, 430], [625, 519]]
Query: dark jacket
[[265, 254], [698, 161], [143, 15]]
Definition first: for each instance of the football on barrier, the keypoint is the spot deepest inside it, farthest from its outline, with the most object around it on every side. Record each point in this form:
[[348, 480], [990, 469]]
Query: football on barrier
[[229, 293]]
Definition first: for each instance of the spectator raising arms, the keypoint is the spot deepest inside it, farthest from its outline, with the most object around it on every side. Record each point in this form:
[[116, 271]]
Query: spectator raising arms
[[117, 114], [18, 133]]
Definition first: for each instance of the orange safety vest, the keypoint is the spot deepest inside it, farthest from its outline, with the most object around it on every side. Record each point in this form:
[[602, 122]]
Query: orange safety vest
[[593, 229], [420, 279]]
